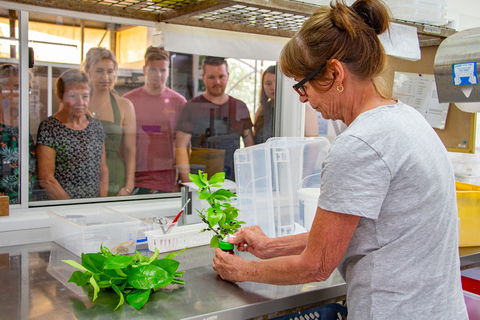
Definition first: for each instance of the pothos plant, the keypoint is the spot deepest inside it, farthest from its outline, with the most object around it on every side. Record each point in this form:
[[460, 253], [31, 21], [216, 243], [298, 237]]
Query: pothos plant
[[133, 278], [221, 216]]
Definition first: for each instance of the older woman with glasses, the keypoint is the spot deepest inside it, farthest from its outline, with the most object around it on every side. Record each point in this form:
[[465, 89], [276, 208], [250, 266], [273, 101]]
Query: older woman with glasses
[[386, 216]]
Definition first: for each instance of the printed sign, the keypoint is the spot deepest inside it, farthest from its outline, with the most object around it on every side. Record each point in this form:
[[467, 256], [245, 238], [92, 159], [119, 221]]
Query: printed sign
[[465, 74]]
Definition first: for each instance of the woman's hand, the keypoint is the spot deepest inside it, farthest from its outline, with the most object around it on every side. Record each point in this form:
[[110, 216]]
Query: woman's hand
[[253, 240], [124, 192], [228, 266]]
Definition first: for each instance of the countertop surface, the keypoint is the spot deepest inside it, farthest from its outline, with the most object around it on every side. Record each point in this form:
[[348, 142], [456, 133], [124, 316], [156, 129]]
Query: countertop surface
[[34, 286]]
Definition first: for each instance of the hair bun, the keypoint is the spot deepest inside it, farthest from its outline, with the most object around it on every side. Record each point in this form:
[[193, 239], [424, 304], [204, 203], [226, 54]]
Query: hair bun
[[374, 13]]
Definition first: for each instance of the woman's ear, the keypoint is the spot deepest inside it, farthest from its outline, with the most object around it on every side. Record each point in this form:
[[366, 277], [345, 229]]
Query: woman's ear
[[337, 71]]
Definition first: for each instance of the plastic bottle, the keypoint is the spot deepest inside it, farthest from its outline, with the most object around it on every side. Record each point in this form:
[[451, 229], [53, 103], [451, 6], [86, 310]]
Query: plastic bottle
[[227, 247]]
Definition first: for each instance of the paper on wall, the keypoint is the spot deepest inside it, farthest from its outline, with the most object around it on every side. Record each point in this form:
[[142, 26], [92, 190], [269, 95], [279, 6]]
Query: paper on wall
[[401, 42], [420, 92]]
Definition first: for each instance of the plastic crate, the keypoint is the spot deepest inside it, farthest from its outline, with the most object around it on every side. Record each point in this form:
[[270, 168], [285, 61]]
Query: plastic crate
[[472, 301], [269, 178], [181, 237], [333, 311], [468, 202], [84, 230]]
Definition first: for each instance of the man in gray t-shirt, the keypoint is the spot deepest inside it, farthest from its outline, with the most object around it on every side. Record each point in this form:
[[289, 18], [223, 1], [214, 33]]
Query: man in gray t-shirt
[[404, 251]]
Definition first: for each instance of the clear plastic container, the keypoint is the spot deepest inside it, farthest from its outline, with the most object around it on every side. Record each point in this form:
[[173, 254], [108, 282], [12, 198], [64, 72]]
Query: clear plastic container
[[268, 177], [84, 230]]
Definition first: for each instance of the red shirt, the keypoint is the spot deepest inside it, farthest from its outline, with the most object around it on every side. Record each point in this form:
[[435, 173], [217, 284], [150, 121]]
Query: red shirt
[[157, 117]]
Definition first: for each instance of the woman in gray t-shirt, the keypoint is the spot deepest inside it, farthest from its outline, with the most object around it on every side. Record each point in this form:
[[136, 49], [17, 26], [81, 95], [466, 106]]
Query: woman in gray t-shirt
[[386, 214]]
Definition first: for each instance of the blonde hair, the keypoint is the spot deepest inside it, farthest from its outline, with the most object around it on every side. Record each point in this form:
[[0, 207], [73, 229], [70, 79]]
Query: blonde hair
[[156, 53], [96, 54], [348, 34]]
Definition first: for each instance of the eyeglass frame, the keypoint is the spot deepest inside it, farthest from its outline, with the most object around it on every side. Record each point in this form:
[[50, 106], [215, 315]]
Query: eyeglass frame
[[299, 86]]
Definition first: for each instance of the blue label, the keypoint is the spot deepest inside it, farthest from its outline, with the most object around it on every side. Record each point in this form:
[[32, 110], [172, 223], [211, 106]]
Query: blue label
[[464, 73]]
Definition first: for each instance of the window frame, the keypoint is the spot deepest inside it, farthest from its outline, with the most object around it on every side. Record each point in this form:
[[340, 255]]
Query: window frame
[[25, 207]]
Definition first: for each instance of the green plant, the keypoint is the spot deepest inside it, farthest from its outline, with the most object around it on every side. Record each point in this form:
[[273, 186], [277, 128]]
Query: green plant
[[133, 277], [220, 217]]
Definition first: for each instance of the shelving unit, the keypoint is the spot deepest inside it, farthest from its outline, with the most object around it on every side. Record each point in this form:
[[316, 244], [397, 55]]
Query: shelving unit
[[269, 17]]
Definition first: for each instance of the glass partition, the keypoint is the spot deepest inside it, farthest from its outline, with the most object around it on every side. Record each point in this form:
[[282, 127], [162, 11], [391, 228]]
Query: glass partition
[[105, 123]]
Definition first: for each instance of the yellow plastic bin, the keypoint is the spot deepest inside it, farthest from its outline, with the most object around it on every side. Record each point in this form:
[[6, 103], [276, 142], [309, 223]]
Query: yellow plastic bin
[[468, 202]]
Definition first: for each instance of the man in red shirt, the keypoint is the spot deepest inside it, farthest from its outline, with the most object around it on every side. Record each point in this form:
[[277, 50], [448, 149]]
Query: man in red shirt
[[157, 109]]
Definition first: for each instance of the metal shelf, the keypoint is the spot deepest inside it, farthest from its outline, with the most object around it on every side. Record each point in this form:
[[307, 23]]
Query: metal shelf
[[270, 17]]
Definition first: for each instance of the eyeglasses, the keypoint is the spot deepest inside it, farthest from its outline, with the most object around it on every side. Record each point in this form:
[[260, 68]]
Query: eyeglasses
[[299, 86]]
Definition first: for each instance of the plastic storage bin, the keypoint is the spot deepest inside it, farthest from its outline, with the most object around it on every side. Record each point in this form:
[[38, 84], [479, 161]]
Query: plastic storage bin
[[269, 177], [468, 202], [472, 301], [333, 311], [84, 230], [423, 11]]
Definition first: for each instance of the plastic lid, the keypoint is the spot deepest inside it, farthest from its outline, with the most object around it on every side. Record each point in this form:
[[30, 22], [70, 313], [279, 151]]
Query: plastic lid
[[226, 245]]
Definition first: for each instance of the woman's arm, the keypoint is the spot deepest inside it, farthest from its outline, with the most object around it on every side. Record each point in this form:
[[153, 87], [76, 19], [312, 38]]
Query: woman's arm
[[182, 142], [327, 243], [46, 173], [103, 174], [129, 126]]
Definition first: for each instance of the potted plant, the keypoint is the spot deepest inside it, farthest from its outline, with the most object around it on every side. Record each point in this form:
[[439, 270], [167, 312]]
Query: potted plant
[[221, 216]]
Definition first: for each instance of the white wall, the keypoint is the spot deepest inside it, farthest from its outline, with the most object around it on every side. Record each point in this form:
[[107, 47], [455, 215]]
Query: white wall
[[464, 14]]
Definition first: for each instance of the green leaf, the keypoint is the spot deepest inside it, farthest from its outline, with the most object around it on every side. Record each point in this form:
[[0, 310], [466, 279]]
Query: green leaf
[[120, 294], [196, 179], [155, 256], [148, 277], [203, 177], [75, 264], [79, 278], [213, 216], [222, 194], [174, 254], [138, 298], [214, 242], [96, 288], [93, 261], [217, 179], [205, 195], [168, 265], [118, 262]]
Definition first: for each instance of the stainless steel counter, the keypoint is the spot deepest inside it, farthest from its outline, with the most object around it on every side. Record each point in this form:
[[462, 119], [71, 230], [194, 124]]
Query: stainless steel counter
[[34, 286]]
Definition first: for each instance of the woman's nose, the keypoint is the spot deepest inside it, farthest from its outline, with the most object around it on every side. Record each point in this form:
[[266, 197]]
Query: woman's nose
[[303, 99]]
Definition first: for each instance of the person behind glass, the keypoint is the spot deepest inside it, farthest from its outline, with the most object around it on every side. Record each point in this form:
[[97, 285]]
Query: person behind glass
[[157, 109], [264, 117], [387, 214], [70, 147], [213, 120], [117, 117], [9, 136]]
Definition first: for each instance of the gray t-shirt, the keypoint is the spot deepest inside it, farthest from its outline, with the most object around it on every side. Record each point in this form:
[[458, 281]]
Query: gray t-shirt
[[390, 168]]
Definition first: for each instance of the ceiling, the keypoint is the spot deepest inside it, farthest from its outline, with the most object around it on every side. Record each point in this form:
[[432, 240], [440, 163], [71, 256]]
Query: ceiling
[[269, 17]]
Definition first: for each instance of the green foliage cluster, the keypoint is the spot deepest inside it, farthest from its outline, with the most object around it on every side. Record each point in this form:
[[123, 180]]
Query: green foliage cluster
[[221, 215], [133, 277]]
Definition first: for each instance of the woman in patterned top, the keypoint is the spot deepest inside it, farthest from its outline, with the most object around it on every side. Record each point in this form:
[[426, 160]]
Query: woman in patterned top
[[9, 137], [71, 145]]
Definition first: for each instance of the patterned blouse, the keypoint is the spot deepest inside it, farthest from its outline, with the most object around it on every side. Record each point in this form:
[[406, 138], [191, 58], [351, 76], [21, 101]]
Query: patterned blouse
[[9, 166], [78, 155]]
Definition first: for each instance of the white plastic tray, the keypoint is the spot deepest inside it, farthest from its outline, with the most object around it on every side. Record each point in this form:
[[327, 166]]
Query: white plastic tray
[[181, 237]]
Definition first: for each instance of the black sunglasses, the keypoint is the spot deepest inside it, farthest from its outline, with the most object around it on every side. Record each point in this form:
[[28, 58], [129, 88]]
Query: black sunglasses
[[299, 86]]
